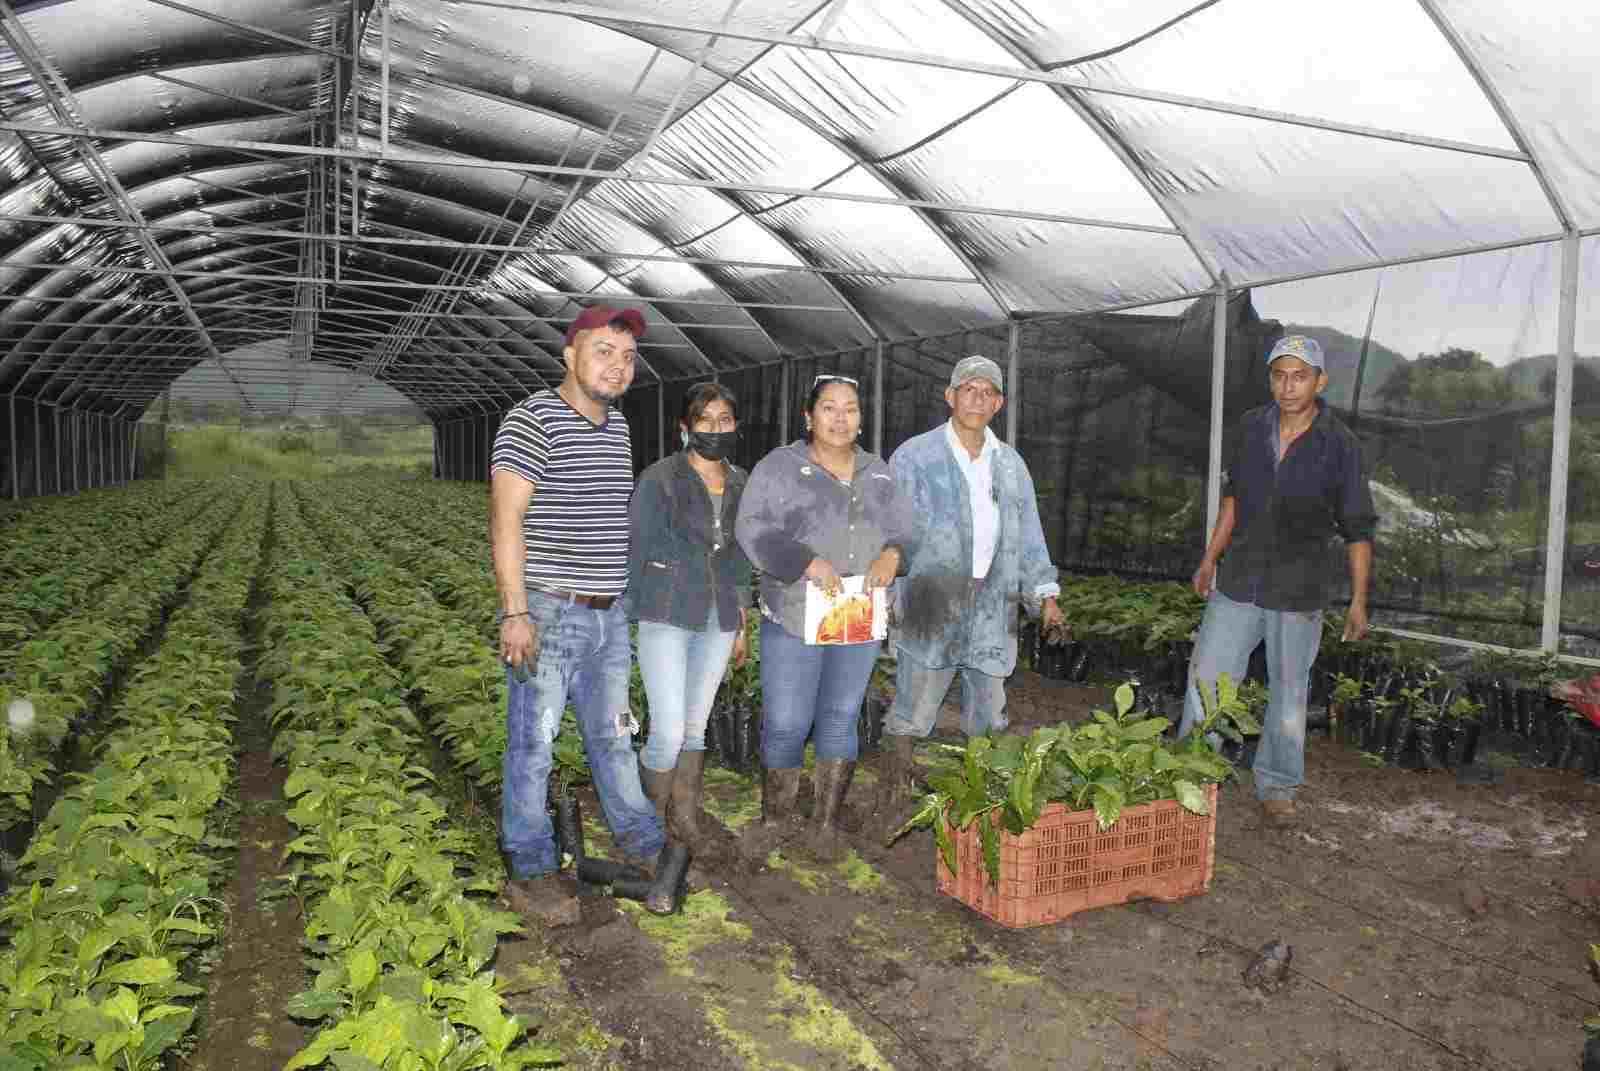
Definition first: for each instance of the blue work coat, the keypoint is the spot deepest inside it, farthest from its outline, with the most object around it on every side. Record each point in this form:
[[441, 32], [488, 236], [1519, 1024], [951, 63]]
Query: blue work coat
[[939, 622]]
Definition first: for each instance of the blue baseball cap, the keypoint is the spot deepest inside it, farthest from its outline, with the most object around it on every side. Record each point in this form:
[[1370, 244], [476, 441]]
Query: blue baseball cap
[[1307, 349]]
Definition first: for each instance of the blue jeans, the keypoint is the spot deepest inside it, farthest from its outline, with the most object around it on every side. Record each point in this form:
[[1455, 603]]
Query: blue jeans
[[681, 670], [811, 691], [1228, 633], [920, 691], [584, 657]]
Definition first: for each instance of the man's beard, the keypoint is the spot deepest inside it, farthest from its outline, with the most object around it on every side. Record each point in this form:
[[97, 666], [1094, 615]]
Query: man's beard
[[600, 393]]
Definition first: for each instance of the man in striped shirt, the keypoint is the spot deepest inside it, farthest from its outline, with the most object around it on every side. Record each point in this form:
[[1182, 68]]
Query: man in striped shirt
[[560, 478]]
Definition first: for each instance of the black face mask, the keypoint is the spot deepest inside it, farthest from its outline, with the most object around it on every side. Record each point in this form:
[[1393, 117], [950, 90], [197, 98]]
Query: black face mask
[[712, 445]]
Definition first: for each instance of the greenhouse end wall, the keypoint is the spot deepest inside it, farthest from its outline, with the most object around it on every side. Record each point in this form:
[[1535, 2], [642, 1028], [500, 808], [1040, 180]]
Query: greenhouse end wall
[[53, 449]]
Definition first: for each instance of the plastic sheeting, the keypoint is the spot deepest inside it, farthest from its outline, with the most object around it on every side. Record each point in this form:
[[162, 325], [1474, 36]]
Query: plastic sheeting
[[817, 178]]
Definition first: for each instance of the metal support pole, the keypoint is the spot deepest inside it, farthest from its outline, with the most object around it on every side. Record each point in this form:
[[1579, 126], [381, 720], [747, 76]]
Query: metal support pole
[[61, 484], [783, 403], [75, 428], [38, 452], [383, 113], [661, 419], [1555, 548], [16, 484], [1219, 368], [1013, 382], [877, 397]]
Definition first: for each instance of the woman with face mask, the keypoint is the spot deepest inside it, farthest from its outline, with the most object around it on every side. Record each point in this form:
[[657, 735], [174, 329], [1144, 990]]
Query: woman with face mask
[[688, 588]]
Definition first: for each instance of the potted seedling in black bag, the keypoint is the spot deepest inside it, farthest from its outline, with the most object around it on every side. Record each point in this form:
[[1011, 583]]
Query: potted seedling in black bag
[[1347, 706]]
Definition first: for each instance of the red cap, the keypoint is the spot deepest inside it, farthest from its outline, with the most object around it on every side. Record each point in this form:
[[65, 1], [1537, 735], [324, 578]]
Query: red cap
[[601, 315]]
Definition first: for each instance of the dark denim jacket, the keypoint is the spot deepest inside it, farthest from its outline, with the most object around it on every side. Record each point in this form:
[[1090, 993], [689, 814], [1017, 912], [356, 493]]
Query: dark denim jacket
[[1286, 513], [675, 567]]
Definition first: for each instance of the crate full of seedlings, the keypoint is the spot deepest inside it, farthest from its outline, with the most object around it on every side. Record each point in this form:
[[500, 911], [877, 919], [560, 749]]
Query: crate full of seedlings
[[1033, 829], [1067, 863]]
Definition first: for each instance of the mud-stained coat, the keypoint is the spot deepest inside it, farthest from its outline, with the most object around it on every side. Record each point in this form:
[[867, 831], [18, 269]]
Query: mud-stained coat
[[938, 623]]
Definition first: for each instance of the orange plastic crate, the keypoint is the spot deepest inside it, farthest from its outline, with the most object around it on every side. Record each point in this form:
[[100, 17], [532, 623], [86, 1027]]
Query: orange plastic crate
[[1066, 864]]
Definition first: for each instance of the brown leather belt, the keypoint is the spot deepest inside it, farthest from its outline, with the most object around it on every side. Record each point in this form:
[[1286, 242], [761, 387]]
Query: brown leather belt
[[594, 602]]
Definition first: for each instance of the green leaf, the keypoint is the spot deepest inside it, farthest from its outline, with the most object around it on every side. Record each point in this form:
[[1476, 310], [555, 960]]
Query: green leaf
[[94, 946], [1108, 803], [164, 1033], [1145, 729], [146, 970], [1123, 697], [362, 966], [991, 849], [314, 1004], [947, 848], [1191, 796]]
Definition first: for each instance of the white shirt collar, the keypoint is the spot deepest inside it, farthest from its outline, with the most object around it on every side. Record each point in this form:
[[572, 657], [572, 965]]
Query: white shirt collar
[[990, 443]]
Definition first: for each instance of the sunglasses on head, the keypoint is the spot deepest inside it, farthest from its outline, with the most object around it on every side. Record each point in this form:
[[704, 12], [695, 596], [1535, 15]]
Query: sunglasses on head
[[830, 377]]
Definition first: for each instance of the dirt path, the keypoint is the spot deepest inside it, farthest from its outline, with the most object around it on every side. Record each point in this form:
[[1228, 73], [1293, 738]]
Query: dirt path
[[260, 966]]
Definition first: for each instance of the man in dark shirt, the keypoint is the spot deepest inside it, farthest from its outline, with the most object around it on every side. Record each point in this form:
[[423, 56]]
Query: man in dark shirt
[[1293, 480]]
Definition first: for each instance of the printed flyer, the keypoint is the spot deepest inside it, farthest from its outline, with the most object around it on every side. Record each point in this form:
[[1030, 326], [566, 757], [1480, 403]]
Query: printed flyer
[[855, 615]]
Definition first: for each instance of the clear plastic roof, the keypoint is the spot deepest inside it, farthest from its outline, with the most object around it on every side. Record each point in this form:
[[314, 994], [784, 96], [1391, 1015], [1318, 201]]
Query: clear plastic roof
[[425, 191]]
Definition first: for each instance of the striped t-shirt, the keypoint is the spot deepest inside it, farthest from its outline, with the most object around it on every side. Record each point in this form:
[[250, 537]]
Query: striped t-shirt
[[576, 527]]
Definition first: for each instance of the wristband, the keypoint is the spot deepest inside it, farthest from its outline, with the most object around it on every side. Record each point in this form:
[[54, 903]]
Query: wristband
[[500, 618]]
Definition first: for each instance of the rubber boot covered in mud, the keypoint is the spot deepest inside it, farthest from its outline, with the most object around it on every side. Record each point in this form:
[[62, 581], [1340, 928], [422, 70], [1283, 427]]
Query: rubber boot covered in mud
[[831, 780], [657, 785], [705, 838], [779, 789], [897, 781]]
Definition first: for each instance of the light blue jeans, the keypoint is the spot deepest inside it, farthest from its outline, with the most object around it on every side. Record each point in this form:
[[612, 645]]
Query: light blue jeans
[[920, 691], [583, 656], [1228, 633], [681, 669], [810, 691]]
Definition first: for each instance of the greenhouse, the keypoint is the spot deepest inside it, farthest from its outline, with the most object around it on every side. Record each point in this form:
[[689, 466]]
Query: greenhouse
[[273, 274]]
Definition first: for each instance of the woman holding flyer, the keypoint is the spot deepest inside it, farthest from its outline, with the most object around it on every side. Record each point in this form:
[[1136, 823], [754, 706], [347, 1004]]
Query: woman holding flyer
[[688, 587], [823, 522]]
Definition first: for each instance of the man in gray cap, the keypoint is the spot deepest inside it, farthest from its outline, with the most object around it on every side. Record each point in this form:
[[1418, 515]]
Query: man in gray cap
[[980, 551], [1293, 479]]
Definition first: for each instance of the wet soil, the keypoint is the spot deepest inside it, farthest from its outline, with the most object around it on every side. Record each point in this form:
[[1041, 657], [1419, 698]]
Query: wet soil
[[1431, 918], [261, 964], [1431, 923]]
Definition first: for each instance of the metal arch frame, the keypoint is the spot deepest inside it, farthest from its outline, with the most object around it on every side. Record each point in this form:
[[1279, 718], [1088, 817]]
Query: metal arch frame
[[1030, 73], [919, 209], [60, 102], [421, 327], [1095, 123]]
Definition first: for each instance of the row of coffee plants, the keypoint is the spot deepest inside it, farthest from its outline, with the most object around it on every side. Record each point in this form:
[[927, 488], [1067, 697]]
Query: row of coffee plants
[[435, 611], [49, 568], [118, 890], [449, 665], [54, 681], [400, 925]]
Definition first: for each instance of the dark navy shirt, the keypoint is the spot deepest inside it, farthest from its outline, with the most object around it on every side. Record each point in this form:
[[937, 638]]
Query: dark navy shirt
[[1287, 513]]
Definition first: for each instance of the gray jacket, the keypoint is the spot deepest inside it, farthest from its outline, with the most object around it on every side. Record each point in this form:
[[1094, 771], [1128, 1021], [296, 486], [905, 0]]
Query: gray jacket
[[793, 511], [676, 565]]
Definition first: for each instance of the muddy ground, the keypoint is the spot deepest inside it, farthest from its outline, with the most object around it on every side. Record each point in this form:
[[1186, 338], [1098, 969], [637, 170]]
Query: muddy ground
[[1432, 924]]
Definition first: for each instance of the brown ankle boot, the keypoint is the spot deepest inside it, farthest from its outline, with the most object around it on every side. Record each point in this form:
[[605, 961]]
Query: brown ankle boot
[[657, 789], [831, 780]]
